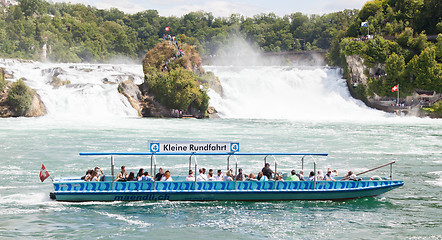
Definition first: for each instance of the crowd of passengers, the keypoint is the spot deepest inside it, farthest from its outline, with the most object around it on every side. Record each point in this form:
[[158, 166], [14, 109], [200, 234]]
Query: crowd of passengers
[[265, 174]]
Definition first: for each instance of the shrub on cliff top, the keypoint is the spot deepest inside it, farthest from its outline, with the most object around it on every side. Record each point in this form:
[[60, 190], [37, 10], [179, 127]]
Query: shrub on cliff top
[[20, 98]]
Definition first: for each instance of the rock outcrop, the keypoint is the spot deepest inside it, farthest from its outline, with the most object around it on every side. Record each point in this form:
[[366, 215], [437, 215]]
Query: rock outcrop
[[165, 56], [36, 109]]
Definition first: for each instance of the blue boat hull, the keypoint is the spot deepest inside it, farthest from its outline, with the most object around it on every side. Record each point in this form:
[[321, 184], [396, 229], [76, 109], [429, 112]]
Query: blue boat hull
[[220, 191]]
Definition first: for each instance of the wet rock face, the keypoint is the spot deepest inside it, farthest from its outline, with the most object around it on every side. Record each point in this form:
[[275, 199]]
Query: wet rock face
[[132, 92], [141, 101], [37, 108]]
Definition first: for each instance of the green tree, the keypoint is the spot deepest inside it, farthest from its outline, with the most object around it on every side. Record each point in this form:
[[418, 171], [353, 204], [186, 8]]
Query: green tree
[[20, 98], [426, 71]]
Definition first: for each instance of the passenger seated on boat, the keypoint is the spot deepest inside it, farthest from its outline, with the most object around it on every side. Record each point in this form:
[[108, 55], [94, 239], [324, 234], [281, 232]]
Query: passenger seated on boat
[[252, 178], [267, 171], [219, 176], [293, 177], [350, 176], [311, 177], [98, 171], [279, 178], [146, 177], [166, 177], [211, 177], [159, 175], [241, 176], [87, 176], [191, 177], [131, 177], [228, 176], [301, 175], [93, 177], [262, 177], [201, 176], [140, 174], [121, 176], [329, 177], [335, 173], [320, 176]]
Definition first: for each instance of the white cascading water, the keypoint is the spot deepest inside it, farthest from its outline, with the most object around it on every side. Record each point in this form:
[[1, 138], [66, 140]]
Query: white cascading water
[[91, 93], [304, 93]]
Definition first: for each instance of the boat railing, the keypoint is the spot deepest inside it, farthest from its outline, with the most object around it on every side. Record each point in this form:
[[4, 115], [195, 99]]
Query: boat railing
[[153, 162]]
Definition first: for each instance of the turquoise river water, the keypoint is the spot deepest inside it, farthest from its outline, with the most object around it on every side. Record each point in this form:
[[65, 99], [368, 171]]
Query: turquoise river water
[[265, 109], [411, 212]]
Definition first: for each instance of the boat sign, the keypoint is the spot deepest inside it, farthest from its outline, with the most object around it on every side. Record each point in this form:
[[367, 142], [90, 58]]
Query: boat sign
[[192, 147]]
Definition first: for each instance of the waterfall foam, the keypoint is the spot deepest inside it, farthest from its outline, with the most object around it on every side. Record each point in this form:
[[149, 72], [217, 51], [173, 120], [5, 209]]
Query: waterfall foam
[[91, 92], [304, 93]]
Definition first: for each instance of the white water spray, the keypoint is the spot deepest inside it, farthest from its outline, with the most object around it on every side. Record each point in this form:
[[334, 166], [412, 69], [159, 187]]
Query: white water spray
[[91, 92], [307, 93]]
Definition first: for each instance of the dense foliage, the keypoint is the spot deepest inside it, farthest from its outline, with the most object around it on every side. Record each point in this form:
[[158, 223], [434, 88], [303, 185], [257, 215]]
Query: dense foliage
[[20, 98], [400, 44], [75, 32], [177, 88], [172, 80], [2, 80]]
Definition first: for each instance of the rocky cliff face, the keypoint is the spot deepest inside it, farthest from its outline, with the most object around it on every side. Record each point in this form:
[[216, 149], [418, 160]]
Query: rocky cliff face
[[356, 69], [359, 72]]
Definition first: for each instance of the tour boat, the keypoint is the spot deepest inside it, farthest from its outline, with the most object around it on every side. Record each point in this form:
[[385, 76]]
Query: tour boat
[[75, 189]]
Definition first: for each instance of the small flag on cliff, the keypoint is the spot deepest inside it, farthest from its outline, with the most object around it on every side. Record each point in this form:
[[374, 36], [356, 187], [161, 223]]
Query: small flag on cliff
[[43, 173], [166, 29], [364, 24], [395, 88]]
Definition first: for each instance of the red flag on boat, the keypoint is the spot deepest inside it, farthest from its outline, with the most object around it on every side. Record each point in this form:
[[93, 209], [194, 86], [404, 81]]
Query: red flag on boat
[[166, 29], [395, 88], [43, 173]]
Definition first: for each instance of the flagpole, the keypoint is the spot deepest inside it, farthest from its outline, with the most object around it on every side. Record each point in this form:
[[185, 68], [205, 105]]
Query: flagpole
[[397, 95]]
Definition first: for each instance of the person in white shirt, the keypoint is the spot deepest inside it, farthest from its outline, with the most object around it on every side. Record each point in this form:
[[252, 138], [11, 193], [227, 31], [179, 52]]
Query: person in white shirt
[[146, 177], [201, 176], [166, 177], [211, 177], [228, 176], [219, 176]]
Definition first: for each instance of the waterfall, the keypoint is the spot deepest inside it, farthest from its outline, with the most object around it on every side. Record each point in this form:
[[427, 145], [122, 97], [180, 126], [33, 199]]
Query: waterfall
[[296, 93], [86, 90], [272, 92]]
